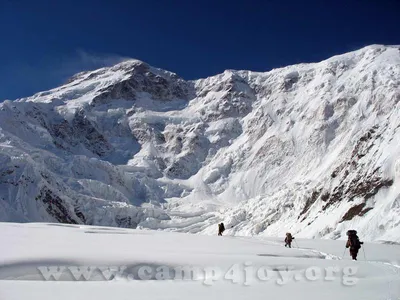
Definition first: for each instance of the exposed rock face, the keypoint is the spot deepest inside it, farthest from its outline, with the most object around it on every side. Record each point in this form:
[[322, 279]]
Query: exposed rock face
[[311, 149], [141, 78], [56, 207]]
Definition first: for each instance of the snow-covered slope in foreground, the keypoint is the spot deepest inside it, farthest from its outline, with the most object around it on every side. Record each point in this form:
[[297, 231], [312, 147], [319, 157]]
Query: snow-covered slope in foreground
[[227, 267], [311, 148]]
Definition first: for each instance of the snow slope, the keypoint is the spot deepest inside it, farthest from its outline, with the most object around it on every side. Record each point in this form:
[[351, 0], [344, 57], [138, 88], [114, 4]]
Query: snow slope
[[225, 267], [310, 148]]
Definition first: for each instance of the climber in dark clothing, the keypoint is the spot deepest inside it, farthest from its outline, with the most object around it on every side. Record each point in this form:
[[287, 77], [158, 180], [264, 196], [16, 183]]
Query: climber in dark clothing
[[353, 242], [288, 240], [221, 228]]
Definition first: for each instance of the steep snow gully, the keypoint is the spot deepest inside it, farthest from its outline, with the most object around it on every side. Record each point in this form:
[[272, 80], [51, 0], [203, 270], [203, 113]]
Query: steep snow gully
[[310, 148]]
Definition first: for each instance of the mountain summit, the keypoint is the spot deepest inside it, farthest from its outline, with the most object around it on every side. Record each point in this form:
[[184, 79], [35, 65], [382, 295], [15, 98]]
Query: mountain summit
[[310, 148]]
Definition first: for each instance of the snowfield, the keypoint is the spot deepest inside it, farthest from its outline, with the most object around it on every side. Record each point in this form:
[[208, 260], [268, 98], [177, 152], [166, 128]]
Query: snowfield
[[147, 264], [312, 149]]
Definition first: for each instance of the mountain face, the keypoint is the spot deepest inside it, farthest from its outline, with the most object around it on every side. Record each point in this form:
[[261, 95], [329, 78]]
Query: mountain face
[[311, 148]]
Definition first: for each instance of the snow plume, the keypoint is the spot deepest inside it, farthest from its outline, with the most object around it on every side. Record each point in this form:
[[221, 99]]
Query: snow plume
[[310, 148], [53, 71], [82, 60], [89, 61]]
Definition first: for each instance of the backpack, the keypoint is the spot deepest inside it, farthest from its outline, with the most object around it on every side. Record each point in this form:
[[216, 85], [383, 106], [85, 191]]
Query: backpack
[[354, 240]]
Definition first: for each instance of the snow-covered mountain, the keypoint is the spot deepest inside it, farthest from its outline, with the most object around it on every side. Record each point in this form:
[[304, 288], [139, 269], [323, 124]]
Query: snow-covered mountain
[[311, 148]]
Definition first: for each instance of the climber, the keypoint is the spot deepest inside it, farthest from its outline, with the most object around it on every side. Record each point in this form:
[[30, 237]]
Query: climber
[[288, 240], [221, 228], [354, 243]]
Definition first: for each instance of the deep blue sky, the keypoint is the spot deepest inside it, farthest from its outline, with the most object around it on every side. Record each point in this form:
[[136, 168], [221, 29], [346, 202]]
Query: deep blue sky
[[44, 42]]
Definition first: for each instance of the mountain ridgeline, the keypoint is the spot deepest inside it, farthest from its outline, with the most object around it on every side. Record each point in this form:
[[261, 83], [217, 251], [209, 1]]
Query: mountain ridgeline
[[310, 148]]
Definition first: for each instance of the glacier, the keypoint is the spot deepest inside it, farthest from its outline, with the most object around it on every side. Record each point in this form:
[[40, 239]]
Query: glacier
[[43, 261], [312, 149]]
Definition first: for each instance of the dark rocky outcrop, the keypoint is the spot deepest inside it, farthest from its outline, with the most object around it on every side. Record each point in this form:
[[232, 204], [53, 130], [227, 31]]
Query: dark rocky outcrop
[[310, 201], [363, 184], [159, 84], [80, 131], [56, 207], [357, 210], [125, 222]]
